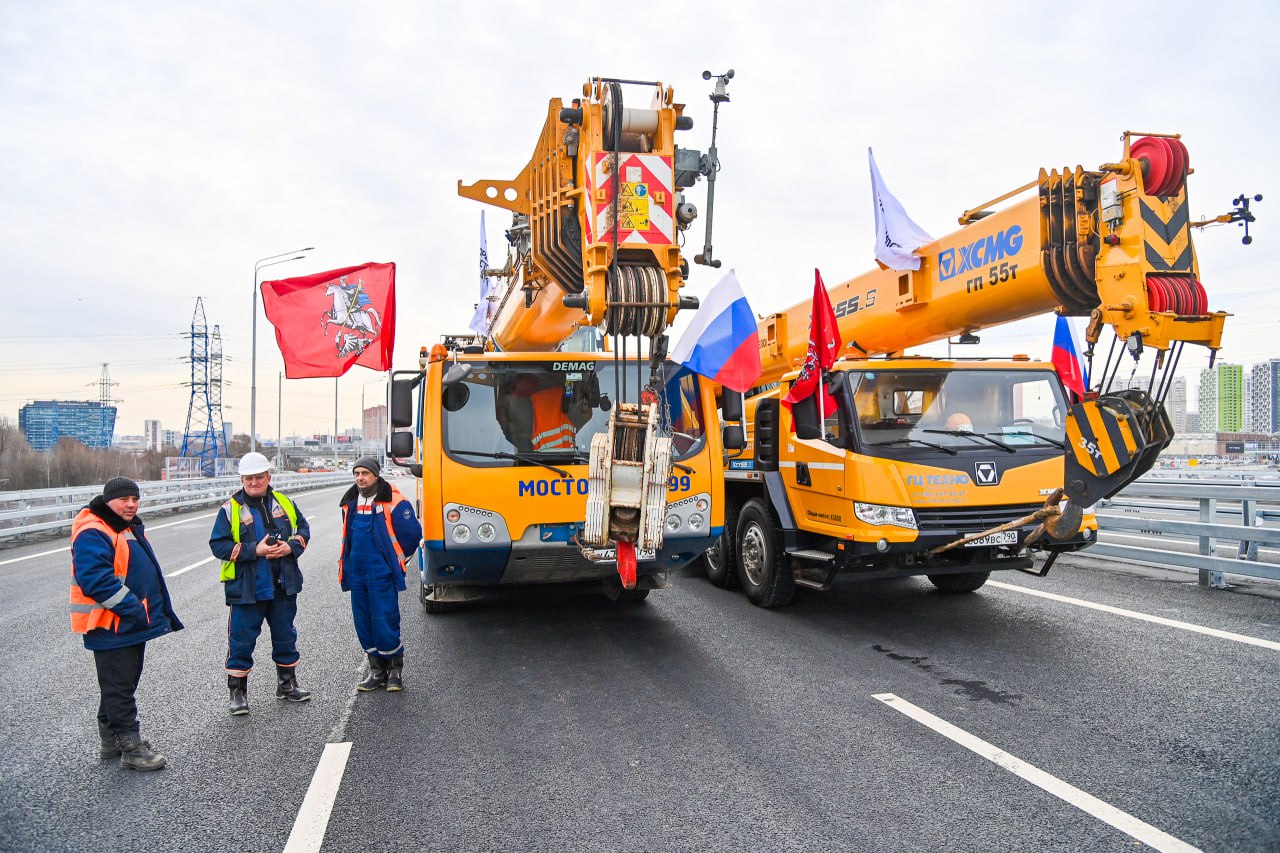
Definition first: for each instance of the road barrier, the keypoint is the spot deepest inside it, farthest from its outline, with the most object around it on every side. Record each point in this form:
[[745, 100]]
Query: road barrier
[[46, 511], [1213, 511]]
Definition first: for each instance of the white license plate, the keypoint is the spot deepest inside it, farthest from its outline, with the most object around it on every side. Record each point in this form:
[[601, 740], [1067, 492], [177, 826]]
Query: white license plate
[[1004, 537], [610, 555]]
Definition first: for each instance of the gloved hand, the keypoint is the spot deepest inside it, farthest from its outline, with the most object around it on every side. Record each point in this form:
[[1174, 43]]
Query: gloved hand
[[131, 610]]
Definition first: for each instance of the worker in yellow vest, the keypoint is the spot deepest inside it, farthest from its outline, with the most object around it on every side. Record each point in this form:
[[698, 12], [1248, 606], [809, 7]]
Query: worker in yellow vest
[[258, 535], [119, 601]]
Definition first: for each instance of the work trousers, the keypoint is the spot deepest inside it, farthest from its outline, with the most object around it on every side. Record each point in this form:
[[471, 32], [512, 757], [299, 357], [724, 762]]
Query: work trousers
[[244, 624], [119, 671], [375, 605]]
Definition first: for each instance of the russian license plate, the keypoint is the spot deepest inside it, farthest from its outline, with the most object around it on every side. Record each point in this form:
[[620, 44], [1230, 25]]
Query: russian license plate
[[610, 555], [1004, 537]]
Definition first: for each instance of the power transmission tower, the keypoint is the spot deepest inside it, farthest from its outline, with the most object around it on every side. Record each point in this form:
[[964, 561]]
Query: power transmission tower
[[204, 438], [104, 387]]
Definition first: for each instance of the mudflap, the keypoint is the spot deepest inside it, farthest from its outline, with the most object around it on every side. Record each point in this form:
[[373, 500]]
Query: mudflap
[[1111, 441]]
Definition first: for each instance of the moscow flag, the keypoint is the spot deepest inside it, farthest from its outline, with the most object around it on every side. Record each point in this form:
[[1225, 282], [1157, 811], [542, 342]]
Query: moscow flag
[[329, 321]]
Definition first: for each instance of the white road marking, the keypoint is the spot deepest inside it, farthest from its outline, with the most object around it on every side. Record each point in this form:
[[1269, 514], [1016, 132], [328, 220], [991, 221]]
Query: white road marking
[[313, 818], [33, 556], [174, 524], [1109, 814], [1144, 617], [186, 569]]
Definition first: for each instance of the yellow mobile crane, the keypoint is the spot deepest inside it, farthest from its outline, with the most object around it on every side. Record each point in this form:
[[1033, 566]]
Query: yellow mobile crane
[[942, 467], [544, 456]]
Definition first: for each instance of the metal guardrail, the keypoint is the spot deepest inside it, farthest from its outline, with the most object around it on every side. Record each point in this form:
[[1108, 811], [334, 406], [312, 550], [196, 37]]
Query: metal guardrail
[[37, 511], [1247, 504]]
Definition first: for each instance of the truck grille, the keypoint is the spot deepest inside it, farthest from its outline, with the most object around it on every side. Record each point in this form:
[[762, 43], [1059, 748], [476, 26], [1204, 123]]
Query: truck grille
[[970, 519]]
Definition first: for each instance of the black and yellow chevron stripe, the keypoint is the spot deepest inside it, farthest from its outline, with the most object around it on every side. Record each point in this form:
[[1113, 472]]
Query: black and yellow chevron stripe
[[1166, 238]]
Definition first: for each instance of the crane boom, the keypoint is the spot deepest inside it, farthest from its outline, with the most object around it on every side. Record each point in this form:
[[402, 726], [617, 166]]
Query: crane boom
[[1113, 244]]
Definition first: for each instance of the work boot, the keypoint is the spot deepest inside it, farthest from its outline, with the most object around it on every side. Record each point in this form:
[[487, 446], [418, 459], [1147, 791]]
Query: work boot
[[393, 674], [287, 685], [108, 748], [239, 686], [377, 675], [136, 753]]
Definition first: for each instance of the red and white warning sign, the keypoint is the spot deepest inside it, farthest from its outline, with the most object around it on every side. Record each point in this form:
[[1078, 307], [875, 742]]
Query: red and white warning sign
[[646, 199]]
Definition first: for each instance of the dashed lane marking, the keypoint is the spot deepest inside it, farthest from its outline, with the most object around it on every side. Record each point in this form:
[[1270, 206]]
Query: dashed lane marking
[[1144, 617], [313, 818], [185, 569], [1105, 812]]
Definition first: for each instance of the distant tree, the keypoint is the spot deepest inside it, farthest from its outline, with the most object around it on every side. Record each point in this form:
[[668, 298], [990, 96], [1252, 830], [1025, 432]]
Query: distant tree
[[239, 445]]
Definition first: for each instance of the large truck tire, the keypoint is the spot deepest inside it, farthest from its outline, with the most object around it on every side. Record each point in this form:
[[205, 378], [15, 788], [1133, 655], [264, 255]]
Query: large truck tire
[[966, 582], [763, 570], [430, 606], [720, 561]]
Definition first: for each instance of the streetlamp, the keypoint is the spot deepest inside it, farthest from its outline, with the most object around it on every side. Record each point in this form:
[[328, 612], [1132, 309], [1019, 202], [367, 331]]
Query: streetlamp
[[260, 264]]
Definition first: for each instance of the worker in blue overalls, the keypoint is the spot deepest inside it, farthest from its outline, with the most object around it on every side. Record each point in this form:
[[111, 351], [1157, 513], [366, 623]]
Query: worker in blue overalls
[[258, 535], [380, 532]]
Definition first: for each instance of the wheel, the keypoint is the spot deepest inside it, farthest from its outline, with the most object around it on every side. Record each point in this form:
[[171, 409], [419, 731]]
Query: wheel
[[720, 561], [632, 596], [966, 582], [765, 573]]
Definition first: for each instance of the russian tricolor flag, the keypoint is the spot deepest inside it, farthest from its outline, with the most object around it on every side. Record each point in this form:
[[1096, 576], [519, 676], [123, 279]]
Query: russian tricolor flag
[[1068, 356], [721, 342]]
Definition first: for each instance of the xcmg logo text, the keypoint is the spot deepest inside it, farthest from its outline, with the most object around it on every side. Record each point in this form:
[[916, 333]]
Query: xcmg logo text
[[986, 250], [937, 479]]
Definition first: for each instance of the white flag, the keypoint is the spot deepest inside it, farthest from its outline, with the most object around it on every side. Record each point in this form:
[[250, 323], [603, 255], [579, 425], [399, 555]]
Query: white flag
[[480, 319], [897, 236]]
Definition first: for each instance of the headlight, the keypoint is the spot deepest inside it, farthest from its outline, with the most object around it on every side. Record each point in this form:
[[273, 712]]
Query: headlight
[[696, 521], [898, 516], [486, 532], [701, 504], [673, 523], [452, 516], [461, 533]]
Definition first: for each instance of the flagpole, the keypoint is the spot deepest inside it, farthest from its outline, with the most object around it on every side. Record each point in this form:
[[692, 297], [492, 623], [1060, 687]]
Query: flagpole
[[259, 265], [335, 417]]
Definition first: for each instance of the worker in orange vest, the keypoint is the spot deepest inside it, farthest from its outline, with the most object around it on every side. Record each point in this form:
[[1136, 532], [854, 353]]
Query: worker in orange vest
[[380, 532], [118, 601]]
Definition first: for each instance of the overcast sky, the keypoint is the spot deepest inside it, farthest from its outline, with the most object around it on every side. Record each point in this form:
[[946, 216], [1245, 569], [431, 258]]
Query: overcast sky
[[152, 152]]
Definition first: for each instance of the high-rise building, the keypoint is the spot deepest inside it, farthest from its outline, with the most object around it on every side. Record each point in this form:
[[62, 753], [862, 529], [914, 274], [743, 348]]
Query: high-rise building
[[1262, 414], [1193, 422], [45, 421], [171, 438], [375, 426], [1222, 398], [153, 435]]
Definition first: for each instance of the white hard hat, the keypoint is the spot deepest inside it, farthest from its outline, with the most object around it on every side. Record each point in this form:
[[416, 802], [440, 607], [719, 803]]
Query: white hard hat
[[254, 463]]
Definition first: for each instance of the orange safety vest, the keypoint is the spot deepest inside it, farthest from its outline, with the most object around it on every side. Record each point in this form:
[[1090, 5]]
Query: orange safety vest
[[385, 509], [552, 429], [88, 614]]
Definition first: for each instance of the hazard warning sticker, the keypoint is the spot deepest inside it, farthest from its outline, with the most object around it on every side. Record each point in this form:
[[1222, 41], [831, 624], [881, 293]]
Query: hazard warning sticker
[[644, 204]]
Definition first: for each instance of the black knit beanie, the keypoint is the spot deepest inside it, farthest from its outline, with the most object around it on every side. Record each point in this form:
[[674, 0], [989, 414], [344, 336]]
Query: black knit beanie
[[120, 487]]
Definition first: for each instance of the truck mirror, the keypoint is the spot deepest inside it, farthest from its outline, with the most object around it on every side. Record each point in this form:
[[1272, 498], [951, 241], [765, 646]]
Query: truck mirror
[[402, 402], [731, 405], [733, 438], [401, 445]]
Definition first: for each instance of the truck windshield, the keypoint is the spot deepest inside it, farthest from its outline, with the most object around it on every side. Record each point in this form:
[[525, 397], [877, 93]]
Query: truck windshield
[[527, 413], [966, 408]]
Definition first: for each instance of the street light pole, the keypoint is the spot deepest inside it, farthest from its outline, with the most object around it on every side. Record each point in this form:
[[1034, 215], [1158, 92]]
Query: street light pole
[[260, 264]]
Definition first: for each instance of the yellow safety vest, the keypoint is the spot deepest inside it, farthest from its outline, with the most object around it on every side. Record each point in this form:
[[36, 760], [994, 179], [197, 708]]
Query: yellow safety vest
[[233, 508]]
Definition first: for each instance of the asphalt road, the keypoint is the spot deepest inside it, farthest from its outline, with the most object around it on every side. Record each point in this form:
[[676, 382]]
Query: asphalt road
[[553, 719]]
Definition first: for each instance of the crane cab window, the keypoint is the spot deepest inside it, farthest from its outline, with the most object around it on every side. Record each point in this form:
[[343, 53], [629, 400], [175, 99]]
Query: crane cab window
[[910, 410], [550, 411]]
